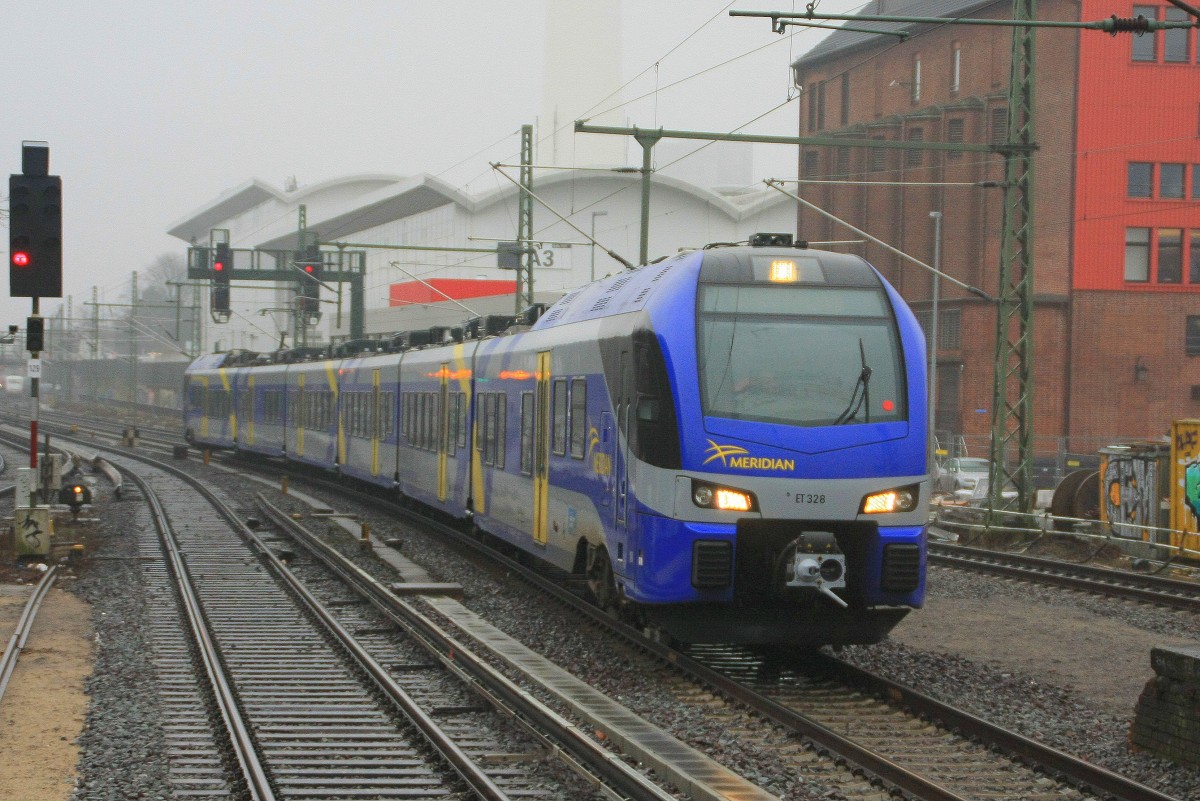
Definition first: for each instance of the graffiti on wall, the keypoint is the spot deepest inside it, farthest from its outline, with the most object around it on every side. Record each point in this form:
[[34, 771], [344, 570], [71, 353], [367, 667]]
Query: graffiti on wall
[[1130, 487]]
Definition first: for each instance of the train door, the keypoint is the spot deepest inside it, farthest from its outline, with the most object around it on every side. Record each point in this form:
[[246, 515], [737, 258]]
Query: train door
[[541, 450], [621, 448], [443, 429]]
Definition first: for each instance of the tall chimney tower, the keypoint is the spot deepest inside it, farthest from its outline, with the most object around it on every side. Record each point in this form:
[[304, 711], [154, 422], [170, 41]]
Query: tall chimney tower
[[583, 67]]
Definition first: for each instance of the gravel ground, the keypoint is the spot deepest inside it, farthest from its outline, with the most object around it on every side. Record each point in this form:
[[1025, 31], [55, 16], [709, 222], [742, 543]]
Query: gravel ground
[[122, 749], [122, 726]]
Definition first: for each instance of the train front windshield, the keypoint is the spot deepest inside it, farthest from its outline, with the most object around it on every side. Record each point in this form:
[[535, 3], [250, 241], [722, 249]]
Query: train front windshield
[[799, 355]]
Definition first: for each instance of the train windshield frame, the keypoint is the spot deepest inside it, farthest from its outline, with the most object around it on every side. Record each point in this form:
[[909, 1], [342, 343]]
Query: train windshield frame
[[805, 355]]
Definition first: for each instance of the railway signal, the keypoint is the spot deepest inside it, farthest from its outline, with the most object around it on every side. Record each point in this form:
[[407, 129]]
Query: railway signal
[[222, 266], [35, 334], [312, 264], [35, 227]]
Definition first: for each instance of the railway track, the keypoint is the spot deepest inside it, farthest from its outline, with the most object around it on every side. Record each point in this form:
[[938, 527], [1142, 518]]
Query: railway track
[[907, 743], [301, 711], [892, 735], [1144, 588], [20, 635]]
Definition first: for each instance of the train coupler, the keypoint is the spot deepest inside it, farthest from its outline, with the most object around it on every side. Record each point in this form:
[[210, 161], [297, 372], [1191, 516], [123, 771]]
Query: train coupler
[[817, 565]]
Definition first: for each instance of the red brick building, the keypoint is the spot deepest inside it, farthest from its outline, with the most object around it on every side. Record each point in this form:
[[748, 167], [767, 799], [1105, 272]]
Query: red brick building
[[1116, 204]]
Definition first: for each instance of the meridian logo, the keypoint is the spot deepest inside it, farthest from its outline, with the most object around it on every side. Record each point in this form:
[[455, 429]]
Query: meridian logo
[[723, 452], [737, 458]]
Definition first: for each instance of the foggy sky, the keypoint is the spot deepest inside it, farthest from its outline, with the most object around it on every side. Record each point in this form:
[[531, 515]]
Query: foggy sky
[[152, 109]]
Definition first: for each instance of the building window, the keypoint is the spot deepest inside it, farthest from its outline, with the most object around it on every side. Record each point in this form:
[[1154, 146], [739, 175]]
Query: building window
[[821, 106], [1194, 257], [843, 161], [1192, 335], [955, 66], [878, 156], [1137, 254], [812, 109], [1175, 40], [1170, 255], [1196, 182], [812, 163], [950, 329], [916, 78], [1145, 47], [845, 110], [1141, 178], [1170, 180], [915, 158], [999, 126], [954, 133]]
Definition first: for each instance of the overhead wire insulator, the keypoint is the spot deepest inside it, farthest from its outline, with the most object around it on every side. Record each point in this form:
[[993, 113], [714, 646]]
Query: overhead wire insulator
[[1138, 25]]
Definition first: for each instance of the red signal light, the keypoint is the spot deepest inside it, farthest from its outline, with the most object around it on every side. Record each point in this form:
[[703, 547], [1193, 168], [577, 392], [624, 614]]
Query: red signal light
[[218, 266], [20, 258], [308, 268]]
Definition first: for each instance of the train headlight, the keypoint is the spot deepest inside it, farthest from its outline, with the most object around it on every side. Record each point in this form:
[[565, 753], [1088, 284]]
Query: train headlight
[[726, 499], [732, 500], [900, 499]]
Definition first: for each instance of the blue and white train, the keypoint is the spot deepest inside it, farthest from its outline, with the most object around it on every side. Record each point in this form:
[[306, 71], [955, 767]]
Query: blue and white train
[[729, 444]]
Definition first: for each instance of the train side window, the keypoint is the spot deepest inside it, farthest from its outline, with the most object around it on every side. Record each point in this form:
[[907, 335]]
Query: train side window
[[419, 418], [656, 439], [493, 404], [527, 433], [462, 420], [501, 429], [435, 398], [371, 402], [485, 427], [578, 417], [430, 421], [408, 417], [558, 433]]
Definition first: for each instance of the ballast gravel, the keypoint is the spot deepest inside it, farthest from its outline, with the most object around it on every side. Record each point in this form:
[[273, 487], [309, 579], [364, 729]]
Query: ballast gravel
[[122, 748]]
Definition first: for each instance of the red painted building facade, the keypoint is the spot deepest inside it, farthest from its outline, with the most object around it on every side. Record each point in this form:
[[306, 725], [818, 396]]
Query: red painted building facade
[[1115, 290]]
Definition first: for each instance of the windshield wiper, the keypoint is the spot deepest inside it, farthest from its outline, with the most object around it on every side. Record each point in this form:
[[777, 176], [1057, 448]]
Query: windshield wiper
[[857, 399]]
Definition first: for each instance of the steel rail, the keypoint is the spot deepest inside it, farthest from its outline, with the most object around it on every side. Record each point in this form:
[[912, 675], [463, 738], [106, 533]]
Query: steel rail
[[1101, 780], [485, 679], [1057, 762], [12, 652], [462, 764], [1171, 593], [869, 761], [253, 772], [446, 745], [1062, 764]]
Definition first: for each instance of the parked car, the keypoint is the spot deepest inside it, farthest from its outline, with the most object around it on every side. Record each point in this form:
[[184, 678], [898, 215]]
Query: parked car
[[960, 474]]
